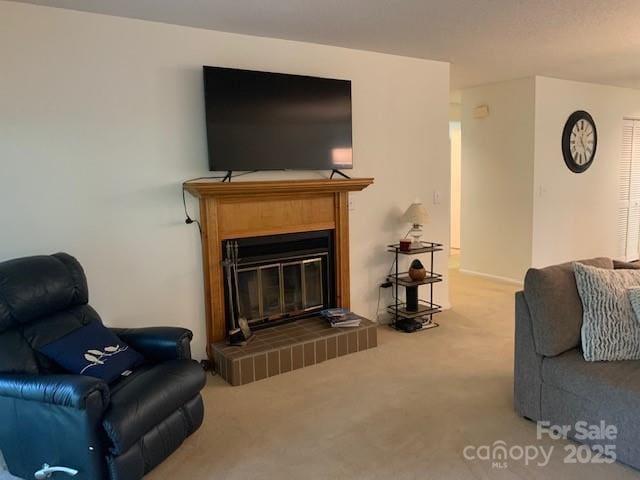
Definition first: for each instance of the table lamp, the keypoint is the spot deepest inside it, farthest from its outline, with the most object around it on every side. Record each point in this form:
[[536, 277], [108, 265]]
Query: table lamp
[[417, 216]]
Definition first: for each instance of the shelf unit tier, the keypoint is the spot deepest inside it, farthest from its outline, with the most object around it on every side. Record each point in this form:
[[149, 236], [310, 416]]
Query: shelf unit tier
[[427, 247], [404, 279], [427, 324], [424, 308]]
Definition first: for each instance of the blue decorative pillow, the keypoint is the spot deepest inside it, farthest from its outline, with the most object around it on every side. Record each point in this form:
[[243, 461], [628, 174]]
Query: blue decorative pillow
[[93, 350]]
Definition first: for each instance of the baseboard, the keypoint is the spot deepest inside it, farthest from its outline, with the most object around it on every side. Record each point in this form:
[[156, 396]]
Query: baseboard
[[492, 277]]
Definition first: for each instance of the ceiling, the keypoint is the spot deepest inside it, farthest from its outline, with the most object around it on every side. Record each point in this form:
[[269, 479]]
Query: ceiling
[[485, 40]]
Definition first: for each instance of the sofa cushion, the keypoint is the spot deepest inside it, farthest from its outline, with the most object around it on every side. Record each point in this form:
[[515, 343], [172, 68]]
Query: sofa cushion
[[158, 443], [598, 382], [620, 265], [53, 327], [610, 330], [147, 397], [555, 306], [19, 345], [33, 287]]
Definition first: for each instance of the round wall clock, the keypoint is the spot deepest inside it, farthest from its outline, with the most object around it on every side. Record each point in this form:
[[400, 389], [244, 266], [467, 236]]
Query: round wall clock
[[579, 141]]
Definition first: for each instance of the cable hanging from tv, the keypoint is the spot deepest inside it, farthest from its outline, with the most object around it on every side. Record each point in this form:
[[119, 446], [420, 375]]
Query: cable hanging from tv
[[229, 175], [227, 178]]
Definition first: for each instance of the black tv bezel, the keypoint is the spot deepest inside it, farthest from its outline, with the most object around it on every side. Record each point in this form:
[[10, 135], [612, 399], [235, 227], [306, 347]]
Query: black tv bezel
[[209, 156]]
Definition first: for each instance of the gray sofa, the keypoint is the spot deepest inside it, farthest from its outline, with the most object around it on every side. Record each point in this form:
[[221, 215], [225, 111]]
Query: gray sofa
[[552, 380]]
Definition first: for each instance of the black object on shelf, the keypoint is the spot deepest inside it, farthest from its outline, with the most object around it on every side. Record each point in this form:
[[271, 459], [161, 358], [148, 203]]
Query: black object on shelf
[[407, 325], [415, 314], [412, 298]]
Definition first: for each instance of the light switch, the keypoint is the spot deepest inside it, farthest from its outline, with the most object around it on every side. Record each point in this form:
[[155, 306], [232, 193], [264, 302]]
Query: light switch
[[436, 197]]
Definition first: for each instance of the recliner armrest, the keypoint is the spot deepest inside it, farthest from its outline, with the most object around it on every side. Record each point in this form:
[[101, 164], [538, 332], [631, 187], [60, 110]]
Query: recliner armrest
[[76, 391], [158, 343]]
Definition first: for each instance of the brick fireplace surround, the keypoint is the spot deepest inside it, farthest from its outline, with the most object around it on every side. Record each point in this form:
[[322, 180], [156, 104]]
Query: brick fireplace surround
[[238, 210]]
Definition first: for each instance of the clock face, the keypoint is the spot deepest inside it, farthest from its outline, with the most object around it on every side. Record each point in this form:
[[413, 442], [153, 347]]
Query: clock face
[[579, 141]]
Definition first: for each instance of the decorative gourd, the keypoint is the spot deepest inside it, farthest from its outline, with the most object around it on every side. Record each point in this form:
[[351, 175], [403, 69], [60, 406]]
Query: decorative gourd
[[417, 272]]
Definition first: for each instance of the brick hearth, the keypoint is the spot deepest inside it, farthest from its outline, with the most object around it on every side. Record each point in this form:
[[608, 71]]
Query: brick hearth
[[295, 345]]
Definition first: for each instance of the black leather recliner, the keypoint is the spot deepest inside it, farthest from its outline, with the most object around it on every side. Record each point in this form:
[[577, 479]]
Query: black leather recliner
[[119, 431]]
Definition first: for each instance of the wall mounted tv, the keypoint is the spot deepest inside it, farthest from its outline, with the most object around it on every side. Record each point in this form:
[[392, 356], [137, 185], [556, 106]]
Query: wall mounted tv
[[274, 121]]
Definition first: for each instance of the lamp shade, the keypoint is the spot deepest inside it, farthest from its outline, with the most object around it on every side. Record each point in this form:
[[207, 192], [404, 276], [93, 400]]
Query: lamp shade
[[416, 214]]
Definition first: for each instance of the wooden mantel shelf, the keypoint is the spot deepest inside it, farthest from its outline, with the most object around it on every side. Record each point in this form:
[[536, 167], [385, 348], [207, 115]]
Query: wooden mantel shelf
[[215, 188], [238, 210]]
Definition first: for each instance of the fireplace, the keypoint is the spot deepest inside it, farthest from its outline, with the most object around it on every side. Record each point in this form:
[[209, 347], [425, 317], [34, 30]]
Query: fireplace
[[281, 278], [293, 249], [240, 211]]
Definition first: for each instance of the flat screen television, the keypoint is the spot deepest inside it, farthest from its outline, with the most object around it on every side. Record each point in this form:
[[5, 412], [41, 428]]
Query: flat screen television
[[275, 121]]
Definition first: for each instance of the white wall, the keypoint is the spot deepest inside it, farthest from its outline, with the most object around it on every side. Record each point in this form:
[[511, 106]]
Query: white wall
[[535, 202], [102, 118], [455, 111], [497, 179], [575, 214], [456, 181]]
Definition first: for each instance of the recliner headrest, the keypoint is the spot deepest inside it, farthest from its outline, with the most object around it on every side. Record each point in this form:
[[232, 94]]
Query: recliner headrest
[[32, 287]]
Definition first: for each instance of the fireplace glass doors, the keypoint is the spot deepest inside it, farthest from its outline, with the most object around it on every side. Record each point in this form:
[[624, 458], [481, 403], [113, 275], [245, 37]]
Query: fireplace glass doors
[[276, 290], [283, 277]]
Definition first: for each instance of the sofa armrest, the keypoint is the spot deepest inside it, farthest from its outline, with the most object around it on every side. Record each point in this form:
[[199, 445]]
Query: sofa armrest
[[527, 384], [158, 344], [76, 391], [54, 419]]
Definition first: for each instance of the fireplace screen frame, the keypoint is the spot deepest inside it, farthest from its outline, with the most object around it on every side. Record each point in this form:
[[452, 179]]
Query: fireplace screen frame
[[307, 306]]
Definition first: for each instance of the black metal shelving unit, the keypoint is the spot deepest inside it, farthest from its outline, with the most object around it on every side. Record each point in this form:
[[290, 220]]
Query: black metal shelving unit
[[426, 308]]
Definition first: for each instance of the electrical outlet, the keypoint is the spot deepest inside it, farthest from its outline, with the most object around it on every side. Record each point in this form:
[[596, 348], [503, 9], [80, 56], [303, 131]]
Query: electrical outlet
[[352, 206]]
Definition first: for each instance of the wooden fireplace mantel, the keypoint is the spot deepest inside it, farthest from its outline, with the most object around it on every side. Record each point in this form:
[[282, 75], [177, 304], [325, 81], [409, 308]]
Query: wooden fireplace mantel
[[207, 187], [249, 209]]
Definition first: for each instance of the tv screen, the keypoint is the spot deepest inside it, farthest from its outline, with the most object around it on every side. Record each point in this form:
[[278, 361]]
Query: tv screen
[[275, 121]]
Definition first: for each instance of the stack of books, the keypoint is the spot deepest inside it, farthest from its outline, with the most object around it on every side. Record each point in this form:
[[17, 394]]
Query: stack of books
[[339, 317]]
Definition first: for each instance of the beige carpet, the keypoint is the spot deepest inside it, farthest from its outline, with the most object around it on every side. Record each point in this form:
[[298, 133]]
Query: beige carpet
[[404, 410]]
